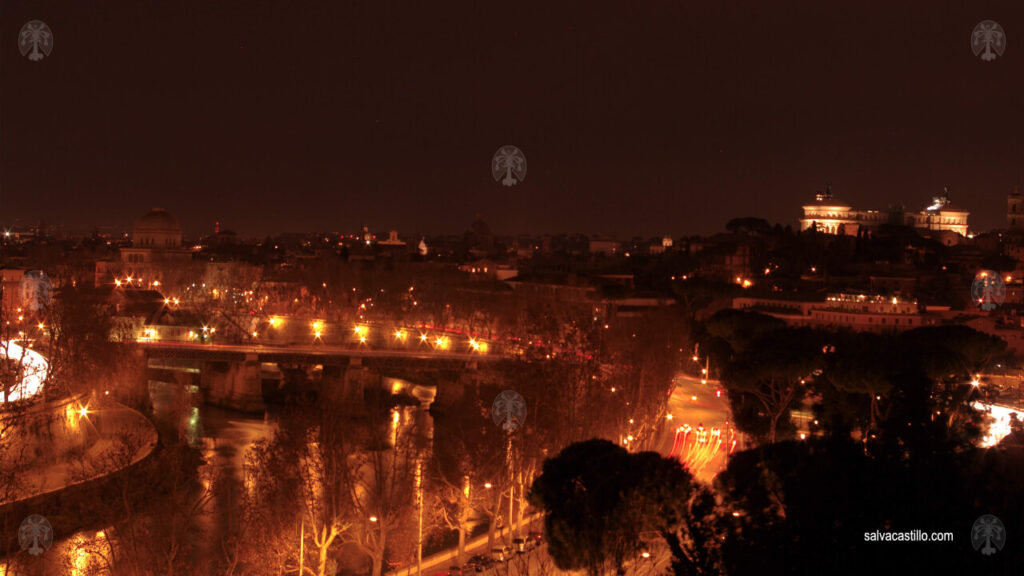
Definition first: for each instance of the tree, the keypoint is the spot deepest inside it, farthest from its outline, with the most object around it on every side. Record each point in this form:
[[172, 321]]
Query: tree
[[739, 328], [864, 365], [818, 502], [599, 500], [683, 512], [380, 477], [469, 453], [797, 504], [775, 368], [272, 509], [588, 522], [153, 513], [748, 225]]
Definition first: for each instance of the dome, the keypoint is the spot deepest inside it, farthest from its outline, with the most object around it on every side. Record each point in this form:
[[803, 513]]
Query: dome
[[158, 219], [829, 199], [157, 229]]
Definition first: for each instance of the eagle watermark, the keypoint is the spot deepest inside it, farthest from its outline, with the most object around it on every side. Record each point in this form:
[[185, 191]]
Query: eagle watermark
[[988, 40], [988, 535], [988, 290], [509, 410], [35, 40], [35, 535], [508, 165]]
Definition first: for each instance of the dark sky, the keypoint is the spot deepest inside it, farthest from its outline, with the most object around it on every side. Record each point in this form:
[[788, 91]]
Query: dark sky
[[655, 117]]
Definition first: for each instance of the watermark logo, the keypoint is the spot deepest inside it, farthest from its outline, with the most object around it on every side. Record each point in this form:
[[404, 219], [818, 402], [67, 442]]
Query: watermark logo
[[988, 290], [35, 534], [509, 410], [508, 166], [988, 535], [988, 40], [35, 40]]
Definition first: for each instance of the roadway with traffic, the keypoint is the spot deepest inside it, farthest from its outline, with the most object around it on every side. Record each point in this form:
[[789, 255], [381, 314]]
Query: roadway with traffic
[[699, 429]]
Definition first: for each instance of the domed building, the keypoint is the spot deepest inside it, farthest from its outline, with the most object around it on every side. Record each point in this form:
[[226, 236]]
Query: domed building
[[157, 229], [155, 236], [829, 215]]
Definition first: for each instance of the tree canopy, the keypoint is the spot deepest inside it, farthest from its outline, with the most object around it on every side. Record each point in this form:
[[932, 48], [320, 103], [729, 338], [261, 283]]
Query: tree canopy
[[599, 500]]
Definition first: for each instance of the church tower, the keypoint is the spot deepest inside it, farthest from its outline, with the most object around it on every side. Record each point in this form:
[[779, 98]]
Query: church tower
[[1015, 209]]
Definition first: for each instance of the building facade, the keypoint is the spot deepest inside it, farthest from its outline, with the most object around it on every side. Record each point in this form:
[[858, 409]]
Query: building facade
[[861, 312], [1015, 209], [155, 237], [829, 215]]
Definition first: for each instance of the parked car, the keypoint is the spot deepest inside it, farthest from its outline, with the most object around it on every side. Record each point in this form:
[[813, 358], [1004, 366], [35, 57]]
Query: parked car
[[503, 554], [519, 545], [536, 537], [479, 563], [455, 571]]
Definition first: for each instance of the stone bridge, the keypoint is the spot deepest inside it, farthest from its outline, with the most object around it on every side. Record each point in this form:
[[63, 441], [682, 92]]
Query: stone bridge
[[235, 375]]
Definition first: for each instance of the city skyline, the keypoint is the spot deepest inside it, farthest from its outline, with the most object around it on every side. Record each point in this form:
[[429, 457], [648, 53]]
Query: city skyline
[[649, 121], [438, 289]]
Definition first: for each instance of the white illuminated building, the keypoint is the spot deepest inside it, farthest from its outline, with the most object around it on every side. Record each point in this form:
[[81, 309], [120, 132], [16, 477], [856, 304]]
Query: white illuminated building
[[830, 215], [33, 370]]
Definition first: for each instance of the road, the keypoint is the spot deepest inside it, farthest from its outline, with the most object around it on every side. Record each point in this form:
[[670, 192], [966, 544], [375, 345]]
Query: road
[[691, 403], [537, 562], [441, 561], [700, 431]]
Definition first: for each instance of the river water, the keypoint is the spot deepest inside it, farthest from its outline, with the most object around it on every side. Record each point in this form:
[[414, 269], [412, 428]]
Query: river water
[[223, 437]]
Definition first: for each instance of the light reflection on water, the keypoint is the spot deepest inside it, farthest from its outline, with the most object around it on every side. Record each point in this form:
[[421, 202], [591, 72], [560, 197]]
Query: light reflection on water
[[223, 438]]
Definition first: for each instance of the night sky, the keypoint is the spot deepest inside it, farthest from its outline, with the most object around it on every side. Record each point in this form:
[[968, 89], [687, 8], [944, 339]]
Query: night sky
[[646, 118]]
